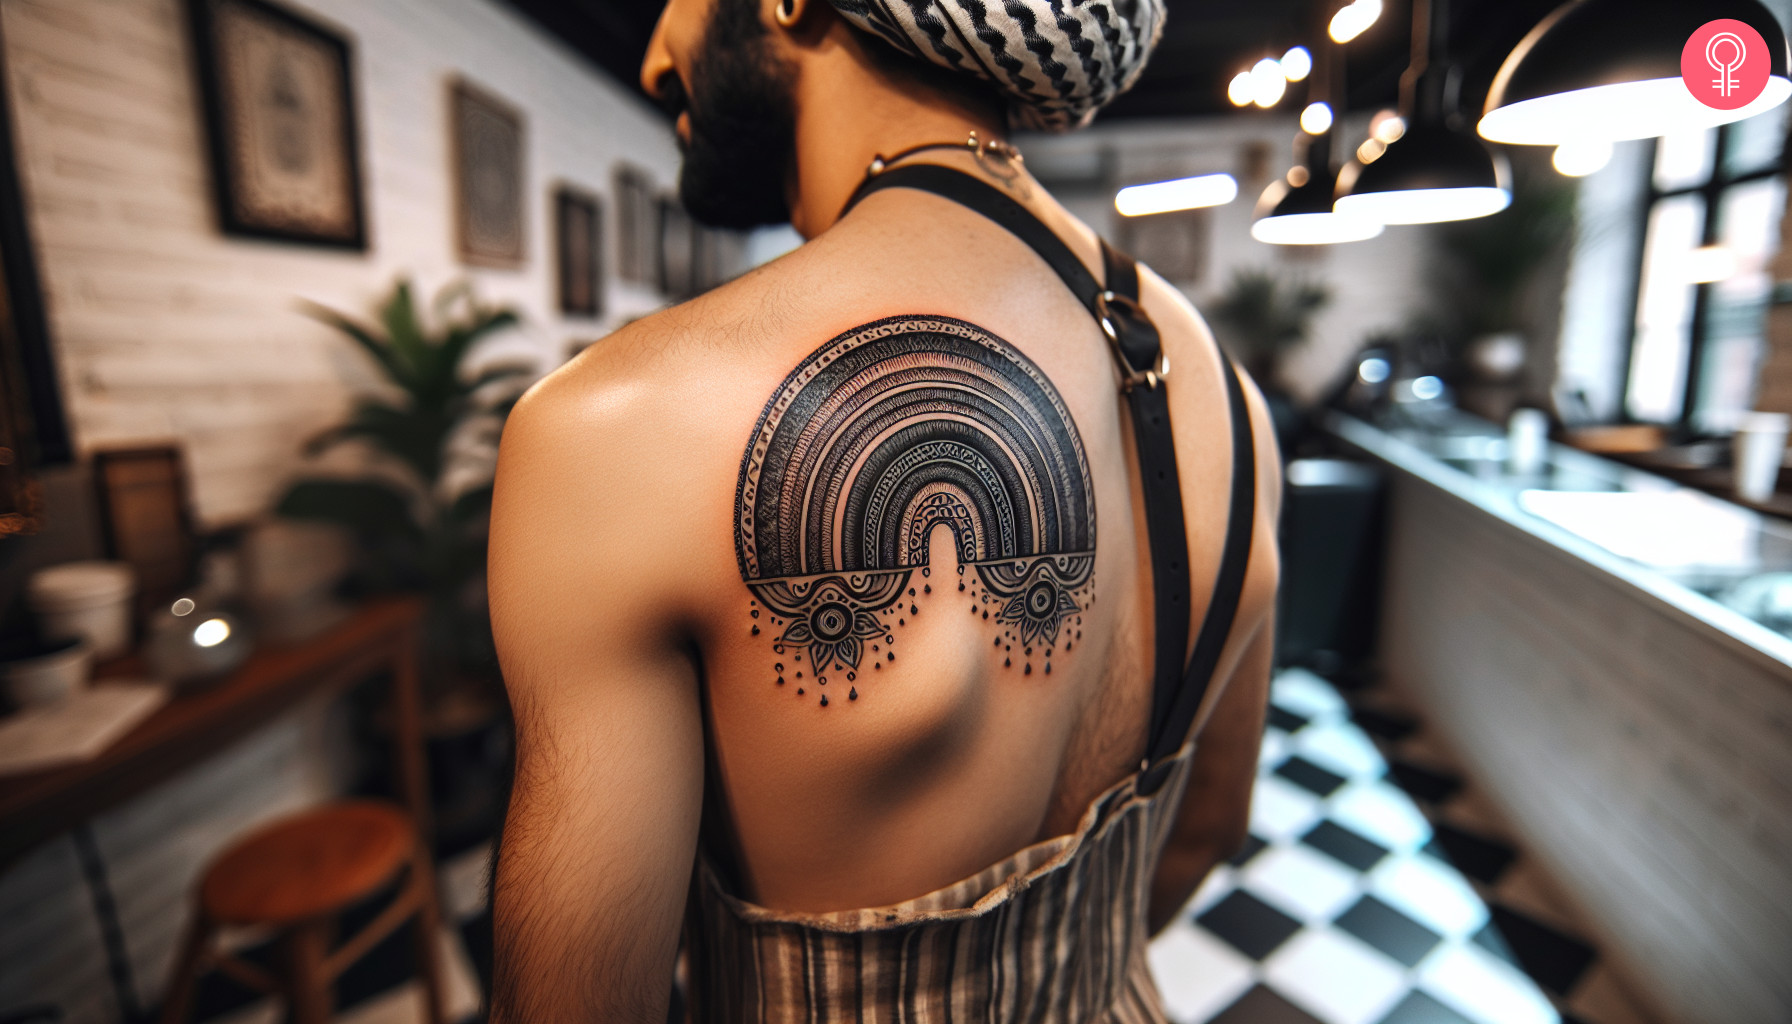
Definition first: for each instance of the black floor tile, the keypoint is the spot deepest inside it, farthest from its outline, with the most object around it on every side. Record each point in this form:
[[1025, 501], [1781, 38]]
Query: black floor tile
[[1422, 783], [1261, 1006], [1287, 721], [391, 962], [1385, 725], [218, 993], [1342, 844], [1490, 939], [1388, 930], [476, 936], [1309, 776], [1251, 848], [1480, 857], [1250, 925], [1419, 1008], [1554, 960]]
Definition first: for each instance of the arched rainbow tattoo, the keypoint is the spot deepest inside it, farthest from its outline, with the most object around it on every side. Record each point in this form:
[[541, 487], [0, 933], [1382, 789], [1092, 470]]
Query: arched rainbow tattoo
[[879, 437]]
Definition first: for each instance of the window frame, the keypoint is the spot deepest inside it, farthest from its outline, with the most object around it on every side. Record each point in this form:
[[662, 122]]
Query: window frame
[[1711, 193]]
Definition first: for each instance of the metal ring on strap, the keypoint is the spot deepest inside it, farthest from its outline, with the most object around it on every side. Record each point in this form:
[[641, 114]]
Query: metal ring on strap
[[1130, 376]]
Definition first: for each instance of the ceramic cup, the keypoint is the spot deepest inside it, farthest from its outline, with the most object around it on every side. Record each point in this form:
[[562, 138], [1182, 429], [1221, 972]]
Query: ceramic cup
[[1527, 440], [1760, 445], [48, 677]]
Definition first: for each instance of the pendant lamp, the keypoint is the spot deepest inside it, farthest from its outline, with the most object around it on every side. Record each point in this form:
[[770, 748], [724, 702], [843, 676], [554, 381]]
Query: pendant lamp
[[1297, 209], [1436, 171], [1611, 69]]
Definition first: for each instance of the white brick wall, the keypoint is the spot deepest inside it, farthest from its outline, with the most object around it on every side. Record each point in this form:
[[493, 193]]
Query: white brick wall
[[166, 329]]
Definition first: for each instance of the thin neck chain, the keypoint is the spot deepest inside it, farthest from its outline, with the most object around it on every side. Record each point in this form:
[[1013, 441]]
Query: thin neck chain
[[981, 148]]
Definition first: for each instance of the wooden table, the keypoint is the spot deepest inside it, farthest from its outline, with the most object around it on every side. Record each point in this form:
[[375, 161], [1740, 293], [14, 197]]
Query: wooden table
[[192, 727]]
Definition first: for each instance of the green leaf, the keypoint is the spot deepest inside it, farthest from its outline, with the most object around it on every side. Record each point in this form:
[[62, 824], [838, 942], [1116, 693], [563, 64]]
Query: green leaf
[[461, 338], [413, 437], [368, 507], [493, 374], [404, 331], [371, 343]]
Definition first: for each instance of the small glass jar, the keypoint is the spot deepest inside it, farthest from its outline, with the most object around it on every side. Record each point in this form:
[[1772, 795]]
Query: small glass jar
[[194, 640]]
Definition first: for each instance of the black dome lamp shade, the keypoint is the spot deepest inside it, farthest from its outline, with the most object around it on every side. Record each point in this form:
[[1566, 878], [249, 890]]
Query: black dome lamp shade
[[1297, 209], [1436, 171], [1610, 69]]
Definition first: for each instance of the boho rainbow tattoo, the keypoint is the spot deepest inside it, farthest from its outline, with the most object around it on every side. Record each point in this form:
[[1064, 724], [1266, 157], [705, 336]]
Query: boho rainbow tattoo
[[881, 436]]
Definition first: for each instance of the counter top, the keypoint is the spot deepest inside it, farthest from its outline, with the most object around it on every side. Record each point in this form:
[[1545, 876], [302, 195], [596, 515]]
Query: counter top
[[1726, 567]]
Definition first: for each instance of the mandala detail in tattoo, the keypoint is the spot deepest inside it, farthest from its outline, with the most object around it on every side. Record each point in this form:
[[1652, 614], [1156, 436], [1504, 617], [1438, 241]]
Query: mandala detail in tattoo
[[883, 436]]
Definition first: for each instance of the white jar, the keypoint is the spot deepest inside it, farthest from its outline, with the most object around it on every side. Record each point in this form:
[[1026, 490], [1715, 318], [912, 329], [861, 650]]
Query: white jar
[[85, 600], [47, 678]]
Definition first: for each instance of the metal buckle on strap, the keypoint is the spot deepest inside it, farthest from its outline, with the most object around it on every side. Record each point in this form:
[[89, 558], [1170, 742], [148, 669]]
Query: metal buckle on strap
[[1130, 376]]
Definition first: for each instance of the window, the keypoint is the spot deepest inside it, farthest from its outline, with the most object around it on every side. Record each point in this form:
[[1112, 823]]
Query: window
[[1713, 226]]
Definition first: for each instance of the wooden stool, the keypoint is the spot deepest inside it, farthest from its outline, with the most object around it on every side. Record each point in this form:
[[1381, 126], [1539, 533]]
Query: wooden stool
[[296, 875]]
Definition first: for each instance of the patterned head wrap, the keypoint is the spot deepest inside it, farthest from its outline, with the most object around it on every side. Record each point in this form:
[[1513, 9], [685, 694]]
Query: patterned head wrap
[[1056, 61]]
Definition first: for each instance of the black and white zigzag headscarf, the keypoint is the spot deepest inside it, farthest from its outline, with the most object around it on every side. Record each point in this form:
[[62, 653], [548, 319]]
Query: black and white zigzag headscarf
[[1057, 61]]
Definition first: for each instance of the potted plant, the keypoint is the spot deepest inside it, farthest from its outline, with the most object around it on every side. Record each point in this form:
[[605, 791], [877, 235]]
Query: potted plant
[[1262, 315], [419, 516], [1489, 269]]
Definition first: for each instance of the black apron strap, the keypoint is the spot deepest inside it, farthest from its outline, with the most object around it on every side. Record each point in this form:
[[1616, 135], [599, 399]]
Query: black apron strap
[[1228, 589], [1138, 355], [1166, 528]]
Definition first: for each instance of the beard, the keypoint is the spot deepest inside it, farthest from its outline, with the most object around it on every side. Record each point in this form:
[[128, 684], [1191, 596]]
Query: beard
[[742, 125]]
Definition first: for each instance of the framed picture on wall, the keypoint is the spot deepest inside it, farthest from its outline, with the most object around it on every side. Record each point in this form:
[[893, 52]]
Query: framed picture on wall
[[1176, 245], [488, 177], [147, 519], [279, 101], [578, 250], [33, 430], [637, 227]]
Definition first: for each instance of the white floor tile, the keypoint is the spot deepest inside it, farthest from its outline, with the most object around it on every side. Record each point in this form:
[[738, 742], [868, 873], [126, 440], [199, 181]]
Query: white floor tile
[[1281, 810], [1302, 882], [1431, 893], [1306, 694], [1274, 749], [1220, 881], [463, 882], [1341, 748], [1483, 987], [1380, 812], [1335, 977], [1197, 974]]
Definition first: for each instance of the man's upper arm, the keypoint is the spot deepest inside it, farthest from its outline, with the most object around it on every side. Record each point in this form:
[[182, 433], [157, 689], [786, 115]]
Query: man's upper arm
[[598, 845]]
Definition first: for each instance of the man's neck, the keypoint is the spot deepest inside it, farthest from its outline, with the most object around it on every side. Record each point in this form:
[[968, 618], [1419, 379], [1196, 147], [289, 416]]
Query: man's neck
[[848, 115]]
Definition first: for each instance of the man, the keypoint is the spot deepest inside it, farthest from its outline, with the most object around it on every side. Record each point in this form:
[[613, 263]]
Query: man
[[801, 591]]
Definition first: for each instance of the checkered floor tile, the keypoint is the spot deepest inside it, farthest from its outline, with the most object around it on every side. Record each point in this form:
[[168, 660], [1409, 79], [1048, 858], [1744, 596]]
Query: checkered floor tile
[[1349, 905]]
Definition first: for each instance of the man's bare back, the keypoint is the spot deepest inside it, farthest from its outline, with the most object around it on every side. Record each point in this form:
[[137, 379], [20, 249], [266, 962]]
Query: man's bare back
[[670, 550], [623, 618]]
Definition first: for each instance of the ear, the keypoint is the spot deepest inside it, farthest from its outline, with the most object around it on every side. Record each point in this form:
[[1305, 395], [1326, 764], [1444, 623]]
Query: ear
[[788, 14]]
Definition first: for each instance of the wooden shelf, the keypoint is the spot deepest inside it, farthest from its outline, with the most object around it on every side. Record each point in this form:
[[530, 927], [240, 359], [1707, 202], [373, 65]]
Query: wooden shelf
[[191, 727]]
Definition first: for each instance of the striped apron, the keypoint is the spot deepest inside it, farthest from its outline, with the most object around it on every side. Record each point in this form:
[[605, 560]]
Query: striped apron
[[1056, 933]]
